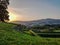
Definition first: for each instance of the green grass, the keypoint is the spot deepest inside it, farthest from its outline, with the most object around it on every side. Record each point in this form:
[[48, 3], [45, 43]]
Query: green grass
[[9, 36]]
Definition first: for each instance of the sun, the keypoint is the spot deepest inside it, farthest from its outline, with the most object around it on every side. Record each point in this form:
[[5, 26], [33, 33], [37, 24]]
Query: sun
[[12, 17]]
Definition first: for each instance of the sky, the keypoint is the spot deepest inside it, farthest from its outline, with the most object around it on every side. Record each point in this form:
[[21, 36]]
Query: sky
[[26, 10]]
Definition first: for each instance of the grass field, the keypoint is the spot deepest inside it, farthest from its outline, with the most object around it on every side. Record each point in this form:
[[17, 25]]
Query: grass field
[[9, 36]]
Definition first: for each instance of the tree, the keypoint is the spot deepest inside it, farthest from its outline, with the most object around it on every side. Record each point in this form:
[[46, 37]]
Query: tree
[[3, 12]]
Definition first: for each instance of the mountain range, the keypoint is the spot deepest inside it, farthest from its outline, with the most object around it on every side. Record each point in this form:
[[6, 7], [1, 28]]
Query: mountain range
[[39, 22]]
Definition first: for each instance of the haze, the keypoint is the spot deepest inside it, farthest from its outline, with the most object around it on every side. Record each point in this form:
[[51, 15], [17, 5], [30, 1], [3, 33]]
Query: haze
[[26, 10]]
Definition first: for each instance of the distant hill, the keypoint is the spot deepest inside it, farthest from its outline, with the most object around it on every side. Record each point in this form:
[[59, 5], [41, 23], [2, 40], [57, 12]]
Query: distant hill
[[39, 22]]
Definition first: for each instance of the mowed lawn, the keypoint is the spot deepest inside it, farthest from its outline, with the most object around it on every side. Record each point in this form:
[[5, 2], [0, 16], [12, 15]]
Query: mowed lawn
[[9, 36]]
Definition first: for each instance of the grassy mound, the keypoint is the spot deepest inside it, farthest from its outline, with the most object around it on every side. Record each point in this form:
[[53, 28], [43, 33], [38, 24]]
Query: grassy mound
[[9, 36]]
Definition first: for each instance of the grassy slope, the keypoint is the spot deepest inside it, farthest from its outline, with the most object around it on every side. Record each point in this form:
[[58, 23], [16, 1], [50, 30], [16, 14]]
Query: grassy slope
[[8, 36]]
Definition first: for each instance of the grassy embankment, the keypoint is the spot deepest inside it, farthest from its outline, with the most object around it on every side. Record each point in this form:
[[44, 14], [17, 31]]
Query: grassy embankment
[[9, 36]]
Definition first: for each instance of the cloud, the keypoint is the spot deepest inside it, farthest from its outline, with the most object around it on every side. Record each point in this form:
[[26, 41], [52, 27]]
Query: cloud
[[32, 10], [14, 15]]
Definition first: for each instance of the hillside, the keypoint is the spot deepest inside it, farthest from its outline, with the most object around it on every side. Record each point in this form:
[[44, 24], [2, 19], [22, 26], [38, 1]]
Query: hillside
[[39, 22], [9, 36]]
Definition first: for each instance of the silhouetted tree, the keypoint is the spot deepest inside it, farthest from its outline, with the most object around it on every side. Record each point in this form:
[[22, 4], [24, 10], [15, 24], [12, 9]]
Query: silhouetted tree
[[3, 12]]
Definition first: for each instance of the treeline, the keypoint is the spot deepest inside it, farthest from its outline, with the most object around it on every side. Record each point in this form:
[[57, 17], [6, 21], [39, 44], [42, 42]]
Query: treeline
[[46, 28], [38, 28]]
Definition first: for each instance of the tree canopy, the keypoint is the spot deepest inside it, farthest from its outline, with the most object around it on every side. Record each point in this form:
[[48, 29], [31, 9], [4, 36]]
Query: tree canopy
[[3, 11]]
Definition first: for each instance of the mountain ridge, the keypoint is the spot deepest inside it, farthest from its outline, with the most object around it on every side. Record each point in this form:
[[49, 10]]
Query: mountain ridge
[[39, 22]]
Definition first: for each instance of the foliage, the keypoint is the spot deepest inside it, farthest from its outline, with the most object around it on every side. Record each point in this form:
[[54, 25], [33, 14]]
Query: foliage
[[45, 28], [3, 12], [20, 27], [9, 36]]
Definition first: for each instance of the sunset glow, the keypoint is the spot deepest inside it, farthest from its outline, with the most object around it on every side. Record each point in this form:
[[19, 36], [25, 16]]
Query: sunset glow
[[12, 17]]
